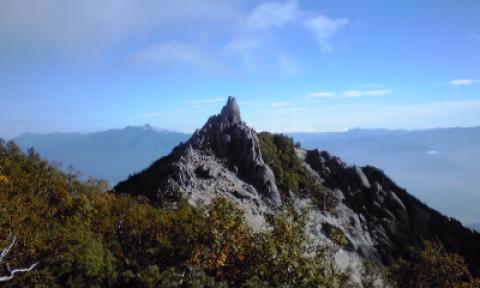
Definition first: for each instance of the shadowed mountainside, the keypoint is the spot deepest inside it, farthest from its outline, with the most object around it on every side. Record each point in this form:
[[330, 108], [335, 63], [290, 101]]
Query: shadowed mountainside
[[439, 166]]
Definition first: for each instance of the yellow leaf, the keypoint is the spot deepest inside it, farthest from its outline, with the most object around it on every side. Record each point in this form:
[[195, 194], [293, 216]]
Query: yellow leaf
[[3, 179]]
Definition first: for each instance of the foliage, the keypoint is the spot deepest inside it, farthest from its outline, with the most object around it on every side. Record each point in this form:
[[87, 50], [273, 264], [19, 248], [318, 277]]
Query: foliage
[[432, 268], [336, 235], [84, 236], [278, 151], [278, 257], [371, 276]]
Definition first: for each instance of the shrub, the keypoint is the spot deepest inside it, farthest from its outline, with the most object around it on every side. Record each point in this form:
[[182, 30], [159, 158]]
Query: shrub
[[84, 236], [278, 151], [431, 267]]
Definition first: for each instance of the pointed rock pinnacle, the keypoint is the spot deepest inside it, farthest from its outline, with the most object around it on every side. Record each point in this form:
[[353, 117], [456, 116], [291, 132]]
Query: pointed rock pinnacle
[[231, 111]]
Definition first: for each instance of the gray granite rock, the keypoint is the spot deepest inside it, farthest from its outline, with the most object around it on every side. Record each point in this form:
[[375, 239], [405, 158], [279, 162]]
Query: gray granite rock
[[224, 159], [232, 141]]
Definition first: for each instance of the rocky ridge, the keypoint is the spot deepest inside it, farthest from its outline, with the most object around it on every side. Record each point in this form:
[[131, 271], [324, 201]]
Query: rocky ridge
[[377, 219], [223, 158]]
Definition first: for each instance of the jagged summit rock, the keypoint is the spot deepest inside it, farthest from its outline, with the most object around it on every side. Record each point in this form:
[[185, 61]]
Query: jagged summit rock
[[223, 158], [231, 111], [226, 137]]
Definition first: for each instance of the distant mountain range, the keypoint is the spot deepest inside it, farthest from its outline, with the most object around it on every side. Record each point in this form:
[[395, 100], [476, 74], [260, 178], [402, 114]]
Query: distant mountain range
[[439, 166], [112, 155]]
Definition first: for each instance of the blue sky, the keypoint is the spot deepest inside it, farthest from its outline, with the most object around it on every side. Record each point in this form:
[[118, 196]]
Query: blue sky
[[83, 66]]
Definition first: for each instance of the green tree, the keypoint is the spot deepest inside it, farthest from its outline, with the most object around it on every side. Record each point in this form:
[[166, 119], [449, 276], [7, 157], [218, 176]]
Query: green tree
[[431, 268]]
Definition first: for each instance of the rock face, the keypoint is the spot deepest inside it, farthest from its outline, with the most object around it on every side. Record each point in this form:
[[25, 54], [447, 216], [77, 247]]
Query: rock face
[[393, 219], [223, 158], [377, 219], [225, 136]]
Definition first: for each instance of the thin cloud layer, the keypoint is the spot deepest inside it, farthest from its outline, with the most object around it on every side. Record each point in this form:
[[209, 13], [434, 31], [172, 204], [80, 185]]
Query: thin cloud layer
[[262, 22], [362, 93], [200, 33], [462, 82], [347, 116], [89, 25], [324, 28], [272, 15], [348, 94], [171, 53]]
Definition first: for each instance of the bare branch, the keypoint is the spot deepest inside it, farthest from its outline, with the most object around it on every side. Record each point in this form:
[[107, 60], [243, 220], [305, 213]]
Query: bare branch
[[12, 273], [7, 250], [16, 271]]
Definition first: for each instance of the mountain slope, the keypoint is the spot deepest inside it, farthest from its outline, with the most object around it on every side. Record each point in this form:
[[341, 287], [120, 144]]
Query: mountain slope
[[110, 155], [475, 227], [356, 208], [439, 166], [221, 159]]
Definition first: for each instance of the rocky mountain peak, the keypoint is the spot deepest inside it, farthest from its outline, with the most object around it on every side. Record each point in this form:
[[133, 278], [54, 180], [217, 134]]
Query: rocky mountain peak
[[223, 158], [228, 139], [231, 111]]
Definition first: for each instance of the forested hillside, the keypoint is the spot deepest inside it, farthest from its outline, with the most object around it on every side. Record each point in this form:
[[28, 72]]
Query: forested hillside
[[81, 235]]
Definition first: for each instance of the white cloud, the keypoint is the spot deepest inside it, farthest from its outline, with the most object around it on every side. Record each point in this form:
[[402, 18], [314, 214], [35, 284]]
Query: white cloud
[[348, 94], [83, 26], [272, 15], [324, 28], [162, 54], [256, 31], [335, 117], [352, 93], [288, 64], [322, 94], [362, 93], [90, 28], [462, 82]]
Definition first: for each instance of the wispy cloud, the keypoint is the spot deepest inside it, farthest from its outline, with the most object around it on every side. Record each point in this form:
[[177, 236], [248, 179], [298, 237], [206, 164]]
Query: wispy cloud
[[272, 15], [362, 93], [462, 82], [352, 94], [162, 54], [324, 28], [72, 28], [258, 28], [348, 94], [339, 116]]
